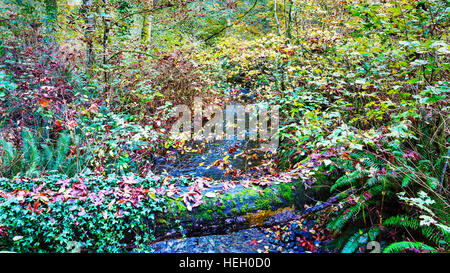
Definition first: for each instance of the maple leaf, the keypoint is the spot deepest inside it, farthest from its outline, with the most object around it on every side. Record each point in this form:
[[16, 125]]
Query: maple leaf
[[41, 197], [35, 209], [346, 155], [129, 180], [246, 183], [93, 108], [63, 182], [44, 103], [197, 203], [119, 214], [160, 191], [171, 190]]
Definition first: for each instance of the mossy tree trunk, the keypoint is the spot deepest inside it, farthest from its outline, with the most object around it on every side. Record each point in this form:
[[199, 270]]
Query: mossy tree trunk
[[146, 30]]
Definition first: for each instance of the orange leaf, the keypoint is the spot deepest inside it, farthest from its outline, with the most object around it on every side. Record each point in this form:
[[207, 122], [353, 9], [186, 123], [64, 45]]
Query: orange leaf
[[345, 155], [44, 102]]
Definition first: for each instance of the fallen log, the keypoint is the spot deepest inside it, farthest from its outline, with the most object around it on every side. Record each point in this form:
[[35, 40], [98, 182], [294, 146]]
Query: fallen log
[[332, 201], [236, 209]]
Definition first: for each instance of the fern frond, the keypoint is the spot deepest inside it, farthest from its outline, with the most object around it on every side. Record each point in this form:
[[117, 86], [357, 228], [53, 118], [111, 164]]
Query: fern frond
[[9, 152], [402, 221], [348, 179], [360, 238], [61, 150], [31, 156], [339, 222], [404, 245], [434, 234], [352, 243], [47, 155]]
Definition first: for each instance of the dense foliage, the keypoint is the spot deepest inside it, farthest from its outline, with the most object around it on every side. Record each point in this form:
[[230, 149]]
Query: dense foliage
[[62, 214], [86, 93]]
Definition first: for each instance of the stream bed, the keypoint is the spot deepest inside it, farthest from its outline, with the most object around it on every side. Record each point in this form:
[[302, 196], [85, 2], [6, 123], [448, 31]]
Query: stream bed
[[214, 160]]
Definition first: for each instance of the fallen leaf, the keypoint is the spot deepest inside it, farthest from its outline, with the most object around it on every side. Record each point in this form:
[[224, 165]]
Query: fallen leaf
[[210, 194]]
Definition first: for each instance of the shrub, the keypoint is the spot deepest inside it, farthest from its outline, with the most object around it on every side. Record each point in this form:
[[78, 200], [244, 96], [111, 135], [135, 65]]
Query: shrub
[[84, 213], [179, 78]]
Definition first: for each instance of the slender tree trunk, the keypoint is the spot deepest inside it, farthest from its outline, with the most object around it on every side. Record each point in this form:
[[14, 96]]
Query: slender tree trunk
[[106, 28], [276, 16], [289, 24], [146, 30], [90, 22]]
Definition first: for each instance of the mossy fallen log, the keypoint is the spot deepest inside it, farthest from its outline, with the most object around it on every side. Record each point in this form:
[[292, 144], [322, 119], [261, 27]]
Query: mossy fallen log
[[235, 209]]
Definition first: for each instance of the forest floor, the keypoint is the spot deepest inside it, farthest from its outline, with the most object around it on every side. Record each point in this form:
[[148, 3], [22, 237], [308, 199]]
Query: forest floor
[[89, 96]]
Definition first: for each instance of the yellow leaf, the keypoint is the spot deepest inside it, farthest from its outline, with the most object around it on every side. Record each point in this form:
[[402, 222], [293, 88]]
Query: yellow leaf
[[226, 158], [153, 196]]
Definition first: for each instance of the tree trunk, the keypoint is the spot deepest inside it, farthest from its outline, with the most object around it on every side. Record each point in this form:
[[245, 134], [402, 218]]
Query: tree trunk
[[146, 30], [90, 22], [276, 16], [106, 28], [289, 24]]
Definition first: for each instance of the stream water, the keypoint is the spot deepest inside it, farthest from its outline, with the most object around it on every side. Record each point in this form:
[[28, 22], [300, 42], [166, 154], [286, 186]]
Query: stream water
[[201, 164], [198, 159]]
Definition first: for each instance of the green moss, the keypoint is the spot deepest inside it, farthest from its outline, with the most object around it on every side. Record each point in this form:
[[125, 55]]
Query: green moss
[[162, 221], [221, 209], [246, 207], [205, 215], [264, 201], [281, 194], [287, 193], [181, 208], [175, 209], [243, 202]]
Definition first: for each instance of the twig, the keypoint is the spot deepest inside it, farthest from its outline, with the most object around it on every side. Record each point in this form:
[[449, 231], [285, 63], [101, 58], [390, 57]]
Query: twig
[[331, 201], [444, 170]]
